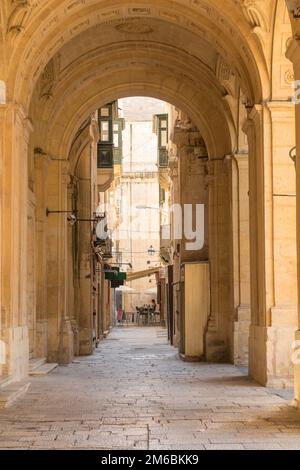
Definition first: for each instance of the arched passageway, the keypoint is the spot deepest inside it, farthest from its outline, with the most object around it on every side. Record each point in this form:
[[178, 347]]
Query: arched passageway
[[226, 69]]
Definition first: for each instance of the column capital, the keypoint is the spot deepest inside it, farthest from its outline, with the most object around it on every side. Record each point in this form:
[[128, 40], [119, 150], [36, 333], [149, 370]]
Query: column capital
[[16, 113], [242, 159], [254, 115], [281, 110]]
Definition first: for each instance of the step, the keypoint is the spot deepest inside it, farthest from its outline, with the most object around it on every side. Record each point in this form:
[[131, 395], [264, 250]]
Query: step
[[44, 369], [36, 363], [12, 392]]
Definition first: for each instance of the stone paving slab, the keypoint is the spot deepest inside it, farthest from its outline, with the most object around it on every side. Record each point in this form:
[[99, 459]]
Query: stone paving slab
[[135, 393]]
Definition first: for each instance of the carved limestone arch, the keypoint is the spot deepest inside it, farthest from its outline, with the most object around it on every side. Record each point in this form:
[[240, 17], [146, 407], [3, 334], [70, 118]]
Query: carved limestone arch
[[210, 121], [67, 20]]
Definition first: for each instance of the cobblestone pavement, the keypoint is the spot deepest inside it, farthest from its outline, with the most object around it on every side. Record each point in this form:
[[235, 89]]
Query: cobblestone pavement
[[135, 393]]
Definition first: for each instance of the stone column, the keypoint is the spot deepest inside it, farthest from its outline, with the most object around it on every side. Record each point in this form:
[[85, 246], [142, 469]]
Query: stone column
[[293, 53], [41, 170], [271, 135], [240, 258], [193, 189], [102, 287], [72, 231], [31, 274], [14, 136], [190, 189], [219, 337], [60, 333], [85, 301], [175, 199]]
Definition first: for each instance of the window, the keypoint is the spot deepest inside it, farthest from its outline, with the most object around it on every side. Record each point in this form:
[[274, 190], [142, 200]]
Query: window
[[104, 112], [110, 144], [104, 131], [116, 135], [106, 124], [116, 139], [163, 137], [105, 156], [118, 127], [162, 131]]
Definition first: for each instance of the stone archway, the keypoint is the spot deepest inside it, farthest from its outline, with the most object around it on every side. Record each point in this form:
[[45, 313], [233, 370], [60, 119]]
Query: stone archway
[[199, 57]]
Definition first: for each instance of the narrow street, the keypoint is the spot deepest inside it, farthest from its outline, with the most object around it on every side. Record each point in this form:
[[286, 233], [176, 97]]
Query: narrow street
[[135, 393]]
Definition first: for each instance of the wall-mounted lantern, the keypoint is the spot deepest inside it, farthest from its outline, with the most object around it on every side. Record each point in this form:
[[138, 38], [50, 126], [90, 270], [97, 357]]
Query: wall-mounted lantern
[[151, 251]]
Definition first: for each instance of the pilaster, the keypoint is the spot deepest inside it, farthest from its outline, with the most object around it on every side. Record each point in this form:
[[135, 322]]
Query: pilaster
[[15, 130], [240, 258], [220, 331], [41, 166], [60, 333], [293, 53], [270, 131]]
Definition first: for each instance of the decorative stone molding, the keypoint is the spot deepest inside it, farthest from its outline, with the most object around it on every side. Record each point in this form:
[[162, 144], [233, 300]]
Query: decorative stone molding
[[226, 76], [104, 15], [50, 77], [294, 8], [293, 54], [174, 166], [134, 26], [257, 14], [16, 21], [254, 12], [289, 76], [94, 130]]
